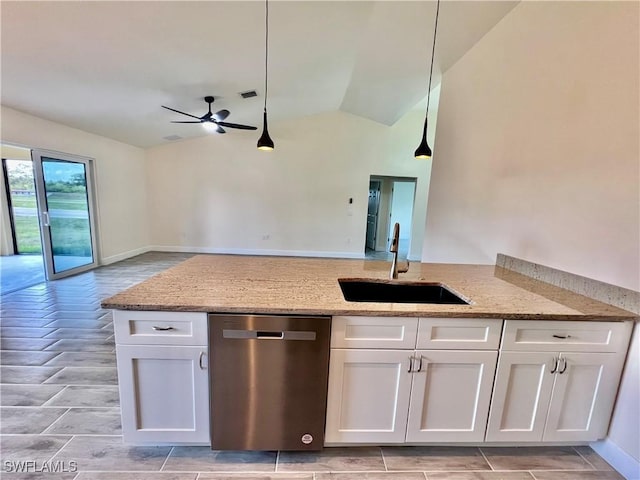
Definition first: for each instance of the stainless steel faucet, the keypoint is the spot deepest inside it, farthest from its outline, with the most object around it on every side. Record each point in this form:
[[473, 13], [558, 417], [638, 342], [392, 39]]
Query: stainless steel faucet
[[393, 274]]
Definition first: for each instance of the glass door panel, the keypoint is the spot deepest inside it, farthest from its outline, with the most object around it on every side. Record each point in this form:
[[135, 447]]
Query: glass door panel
[[65, 201]]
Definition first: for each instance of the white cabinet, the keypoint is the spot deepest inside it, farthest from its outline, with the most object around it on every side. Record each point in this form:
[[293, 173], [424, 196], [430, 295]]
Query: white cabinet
[[559, 395], [405, 395], [583, 396], [164, 394], [521, 397], [450, 396], [374, 332], [368, 396], [163, 378], [459, 334]]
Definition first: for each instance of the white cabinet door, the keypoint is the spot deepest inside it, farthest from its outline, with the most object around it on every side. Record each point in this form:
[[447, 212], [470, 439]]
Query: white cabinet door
[[521, 396], [450, 396], [164, 394], [368, 396], [583, 396]]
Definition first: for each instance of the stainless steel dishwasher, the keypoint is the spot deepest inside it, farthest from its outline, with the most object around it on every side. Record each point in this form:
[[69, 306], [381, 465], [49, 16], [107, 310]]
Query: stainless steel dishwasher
[[268, 381]]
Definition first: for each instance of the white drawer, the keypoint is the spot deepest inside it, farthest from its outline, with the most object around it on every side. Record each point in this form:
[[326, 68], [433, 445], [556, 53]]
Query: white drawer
[[550, 336], [160, 328], [459, 333], [374, 332]]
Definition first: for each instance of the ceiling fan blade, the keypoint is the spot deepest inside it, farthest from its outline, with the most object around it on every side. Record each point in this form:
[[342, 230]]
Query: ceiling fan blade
[[221, 115], [188, 121], [220, 129], [178, 111], [237, 125]]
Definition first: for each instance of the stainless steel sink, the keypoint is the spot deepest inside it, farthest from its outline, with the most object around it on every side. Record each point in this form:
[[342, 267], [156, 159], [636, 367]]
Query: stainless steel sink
[[388, 291]]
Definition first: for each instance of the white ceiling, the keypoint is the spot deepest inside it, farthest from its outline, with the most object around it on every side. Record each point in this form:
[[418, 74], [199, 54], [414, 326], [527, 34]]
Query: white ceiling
[[106, 67]]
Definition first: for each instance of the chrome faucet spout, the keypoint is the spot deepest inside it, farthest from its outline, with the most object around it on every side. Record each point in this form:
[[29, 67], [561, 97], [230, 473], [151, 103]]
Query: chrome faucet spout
[[393, 248]]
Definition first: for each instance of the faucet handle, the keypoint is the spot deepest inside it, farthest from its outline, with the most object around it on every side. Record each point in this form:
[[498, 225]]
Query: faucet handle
[[404, 269]]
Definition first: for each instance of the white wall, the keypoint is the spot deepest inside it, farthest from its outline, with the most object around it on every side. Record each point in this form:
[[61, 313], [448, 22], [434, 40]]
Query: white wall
[[538, 144], [402, 207], [537, 153], [120, 178], [220, 194]]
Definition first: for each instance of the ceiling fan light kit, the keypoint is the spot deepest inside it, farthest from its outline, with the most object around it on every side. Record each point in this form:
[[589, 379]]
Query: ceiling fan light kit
[[212, 122], [265, 142], [423, 152]]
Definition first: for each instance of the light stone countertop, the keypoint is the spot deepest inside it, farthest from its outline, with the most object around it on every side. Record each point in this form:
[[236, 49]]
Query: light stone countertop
[[309, 286]]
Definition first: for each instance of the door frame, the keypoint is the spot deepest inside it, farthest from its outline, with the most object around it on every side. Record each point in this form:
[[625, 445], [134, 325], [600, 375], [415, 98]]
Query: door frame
[[385, 227], [12, 223], [37, 155]]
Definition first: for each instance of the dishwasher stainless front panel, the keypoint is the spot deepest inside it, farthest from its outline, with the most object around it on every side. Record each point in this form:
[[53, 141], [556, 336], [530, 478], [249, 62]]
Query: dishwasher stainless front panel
[[268, 381]]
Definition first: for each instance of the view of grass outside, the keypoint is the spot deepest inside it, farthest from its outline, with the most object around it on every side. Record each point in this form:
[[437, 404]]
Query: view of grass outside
[[27, 234], [67, 204], [22, 190]]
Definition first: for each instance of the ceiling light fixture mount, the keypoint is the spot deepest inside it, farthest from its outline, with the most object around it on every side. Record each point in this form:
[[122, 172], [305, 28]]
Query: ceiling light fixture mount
[[423, 152], [265, 142]]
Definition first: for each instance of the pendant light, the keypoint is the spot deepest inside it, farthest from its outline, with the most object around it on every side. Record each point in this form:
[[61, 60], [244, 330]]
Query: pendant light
[[265, 142], [423, 152]]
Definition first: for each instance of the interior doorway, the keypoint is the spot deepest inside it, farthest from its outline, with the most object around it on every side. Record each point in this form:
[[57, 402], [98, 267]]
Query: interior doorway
[[391, 200], [373, 208], [47, 217]]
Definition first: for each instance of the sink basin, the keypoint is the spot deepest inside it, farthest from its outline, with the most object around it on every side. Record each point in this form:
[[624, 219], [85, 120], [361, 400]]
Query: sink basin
[[391, 291]]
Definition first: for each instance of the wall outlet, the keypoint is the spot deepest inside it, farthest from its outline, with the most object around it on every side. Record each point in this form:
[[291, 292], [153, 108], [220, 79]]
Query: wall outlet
[[266, 236]]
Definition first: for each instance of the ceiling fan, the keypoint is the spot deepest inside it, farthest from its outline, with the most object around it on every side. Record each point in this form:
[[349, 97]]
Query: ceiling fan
[[213, 120]]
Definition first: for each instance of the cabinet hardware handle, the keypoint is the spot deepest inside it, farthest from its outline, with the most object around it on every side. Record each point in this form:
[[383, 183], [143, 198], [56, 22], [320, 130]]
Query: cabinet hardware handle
[[561, 336], [202, 367], [420, 364], [410, 365], [555, 365], [564, 365], [162, 329]]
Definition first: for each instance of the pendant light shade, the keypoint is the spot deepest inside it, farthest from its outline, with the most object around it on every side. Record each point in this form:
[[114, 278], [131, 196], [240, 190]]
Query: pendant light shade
[[423, 152], [265, 142]]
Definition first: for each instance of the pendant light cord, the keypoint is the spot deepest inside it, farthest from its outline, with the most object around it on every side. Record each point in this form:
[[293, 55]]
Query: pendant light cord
[[266, 52], [433, 52]]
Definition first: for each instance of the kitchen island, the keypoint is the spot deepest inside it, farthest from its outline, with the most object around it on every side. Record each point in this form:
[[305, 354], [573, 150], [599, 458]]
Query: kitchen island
[[309, 286], [523, 362]]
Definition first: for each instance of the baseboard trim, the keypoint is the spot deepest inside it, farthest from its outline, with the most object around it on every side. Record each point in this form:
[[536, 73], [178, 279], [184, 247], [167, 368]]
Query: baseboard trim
[[624, 463], [124, 255], [255, 251]]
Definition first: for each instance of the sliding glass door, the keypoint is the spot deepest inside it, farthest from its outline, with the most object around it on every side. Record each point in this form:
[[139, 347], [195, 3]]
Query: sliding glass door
[[65, 204]]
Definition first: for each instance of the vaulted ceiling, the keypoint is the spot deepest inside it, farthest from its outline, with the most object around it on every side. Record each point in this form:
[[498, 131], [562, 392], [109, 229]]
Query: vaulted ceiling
[[106, 67]]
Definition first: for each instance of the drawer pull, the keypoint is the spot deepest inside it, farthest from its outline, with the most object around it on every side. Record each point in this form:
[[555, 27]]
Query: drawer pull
[[561, 336], [162, 329], [555, 365]]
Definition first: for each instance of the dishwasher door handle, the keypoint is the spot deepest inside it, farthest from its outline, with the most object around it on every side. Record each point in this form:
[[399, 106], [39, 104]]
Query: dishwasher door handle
[[271, 335], [268, 334]]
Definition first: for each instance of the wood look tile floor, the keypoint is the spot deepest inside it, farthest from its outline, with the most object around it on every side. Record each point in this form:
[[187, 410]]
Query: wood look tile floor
[[59, 398]]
